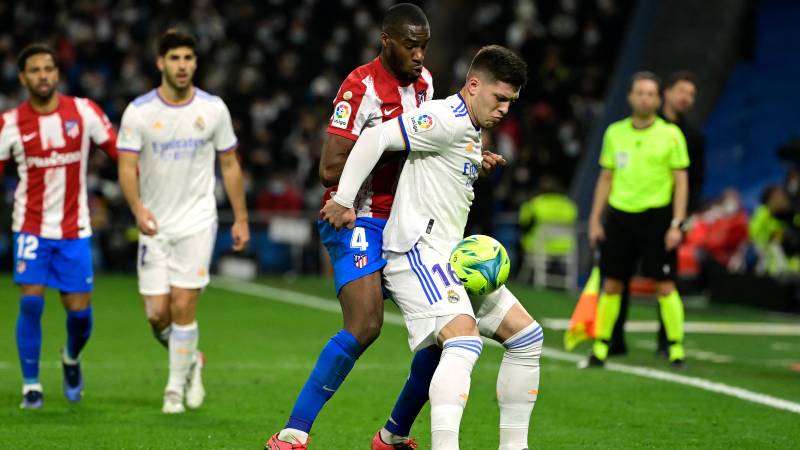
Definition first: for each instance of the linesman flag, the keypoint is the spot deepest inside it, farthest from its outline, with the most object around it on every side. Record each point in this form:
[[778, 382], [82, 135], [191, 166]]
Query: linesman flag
[[582, 322]]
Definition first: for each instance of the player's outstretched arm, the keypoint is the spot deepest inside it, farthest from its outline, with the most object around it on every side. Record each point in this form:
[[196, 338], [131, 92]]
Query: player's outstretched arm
[[234, 186], [127, 165], [363, 157]]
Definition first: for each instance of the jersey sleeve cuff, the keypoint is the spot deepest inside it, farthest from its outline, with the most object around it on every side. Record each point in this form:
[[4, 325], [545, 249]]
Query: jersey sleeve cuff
[[405, 135], [129, 149], [343, 133], [228, 148]]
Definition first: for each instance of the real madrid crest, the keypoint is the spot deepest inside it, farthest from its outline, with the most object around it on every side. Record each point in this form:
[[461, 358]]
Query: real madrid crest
[[200, 124], [452, 296]]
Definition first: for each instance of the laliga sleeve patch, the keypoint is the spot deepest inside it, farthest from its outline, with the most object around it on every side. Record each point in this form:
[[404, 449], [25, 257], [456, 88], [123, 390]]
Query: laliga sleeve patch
[[341, 115], [419, 123]]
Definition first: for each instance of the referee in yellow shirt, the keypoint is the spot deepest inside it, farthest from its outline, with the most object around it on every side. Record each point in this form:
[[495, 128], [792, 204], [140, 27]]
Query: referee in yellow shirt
[[644, 183]]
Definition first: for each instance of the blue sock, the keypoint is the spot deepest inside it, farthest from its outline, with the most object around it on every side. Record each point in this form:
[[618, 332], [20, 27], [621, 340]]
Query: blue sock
[[79, 328], [29, 336], [333, 365], [415, 392]]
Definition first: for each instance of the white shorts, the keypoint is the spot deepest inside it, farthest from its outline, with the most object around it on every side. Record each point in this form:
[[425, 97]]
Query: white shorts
[[429, 295], [181, 262]]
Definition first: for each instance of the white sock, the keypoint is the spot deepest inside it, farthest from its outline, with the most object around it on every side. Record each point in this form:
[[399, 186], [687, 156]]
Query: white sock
[[31, 387], [182, 347], [518, 386], [449, 389], [391, 438], [293, 436]]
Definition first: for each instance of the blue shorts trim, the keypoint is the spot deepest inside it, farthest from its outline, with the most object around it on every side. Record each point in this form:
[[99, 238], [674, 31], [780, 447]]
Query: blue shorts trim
[[63, 264], [354, 253]]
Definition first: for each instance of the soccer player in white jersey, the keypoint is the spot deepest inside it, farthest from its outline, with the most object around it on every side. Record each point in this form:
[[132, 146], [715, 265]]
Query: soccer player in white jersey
[[169, 140], [434, 195], [49, 136]]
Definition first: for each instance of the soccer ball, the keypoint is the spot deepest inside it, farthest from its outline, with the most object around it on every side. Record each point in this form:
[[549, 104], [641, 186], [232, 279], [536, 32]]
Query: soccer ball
[[481, 264]]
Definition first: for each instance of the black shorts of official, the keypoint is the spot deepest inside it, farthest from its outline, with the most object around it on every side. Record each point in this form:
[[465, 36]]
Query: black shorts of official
[[633, 238]]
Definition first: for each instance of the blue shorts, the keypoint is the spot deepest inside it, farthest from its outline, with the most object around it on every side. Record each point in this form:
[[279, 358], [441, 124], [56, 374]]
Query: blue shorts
[[354, 253], [63, 264]]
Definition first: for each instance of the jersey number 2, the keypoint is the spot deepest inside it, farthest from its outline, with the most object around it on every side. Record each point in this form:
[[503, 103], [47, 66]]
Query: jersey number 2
[[26, 246], [359, 239]]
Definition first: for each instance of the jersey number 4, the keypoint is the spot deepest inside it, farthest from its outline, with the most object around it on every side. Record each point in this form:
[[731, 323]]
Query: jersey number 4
[[359, 239]]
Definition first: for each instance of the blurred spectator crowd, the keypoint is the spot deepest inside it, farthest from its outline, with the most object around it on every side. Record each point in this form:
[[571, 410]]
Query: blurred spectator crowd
[[278, 64]]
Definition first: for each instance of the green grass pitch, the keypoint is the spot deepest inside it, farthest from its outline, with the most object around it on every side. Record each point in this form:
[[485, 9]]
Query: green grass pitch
[[260, 351]]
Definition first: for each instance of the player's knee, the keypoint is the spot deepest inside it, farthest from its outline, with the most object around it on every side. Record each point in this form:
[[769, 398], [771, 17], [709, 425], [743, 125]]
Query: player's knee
[[458, 326], [525, 347], [32, 289], [367, 329], [77, 302]]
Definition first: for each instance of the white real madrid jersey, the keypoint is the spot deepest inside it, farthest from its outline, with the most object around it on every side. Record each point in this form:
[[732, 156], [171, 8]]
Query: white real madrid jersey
[[177, 146], [434, 192]]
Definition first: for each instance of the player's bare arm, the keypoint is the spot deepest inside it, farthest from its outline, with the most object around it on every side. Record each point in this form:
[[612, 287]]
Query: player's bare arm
[[679, 201], [234, 186], [334, 154], [129, 182], [601, 191]]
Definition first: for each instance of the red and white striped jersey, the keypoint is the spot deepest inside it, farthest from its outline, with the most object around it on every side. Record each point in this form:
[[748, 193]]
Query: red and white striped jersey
[[368, 96], [51, 152]]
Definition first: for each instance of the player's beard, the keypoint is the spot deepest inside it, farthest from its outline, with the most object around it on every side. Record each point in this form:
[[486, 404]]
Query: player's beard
[[42, 97], [172, 82]]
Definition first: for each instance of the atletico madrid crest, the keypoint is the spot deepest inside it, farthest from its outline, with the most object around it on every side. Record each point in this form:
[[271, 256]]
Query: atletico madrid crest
[[360, 260], [72, 128]]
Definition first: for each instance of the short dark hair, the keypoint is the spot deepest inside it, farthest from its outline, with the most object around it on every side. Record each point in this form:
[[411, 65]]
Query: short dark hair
[[500, 63], [401, 15], [681, 75], [644, 75], [174, 38], [34, 49]]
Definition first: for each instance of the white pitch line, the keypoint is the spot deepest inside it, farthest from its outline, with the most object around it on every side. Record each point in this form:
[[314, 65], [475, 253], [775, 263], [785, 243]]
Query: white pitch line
[[696, 327], [320, 303]]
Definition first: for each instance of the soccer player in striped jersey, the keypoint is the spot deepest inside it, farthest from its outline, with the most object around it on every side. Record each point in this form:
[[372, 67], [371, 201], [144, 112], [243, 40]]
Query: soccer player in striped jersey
[[394, 82], [169, 140], [443, 142], [49, 136]]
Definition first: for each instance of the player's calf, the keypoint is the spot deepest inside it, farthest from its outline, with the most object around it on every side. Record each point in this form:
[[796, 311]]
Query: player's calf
[[518, 385], [362, 308], [449, 390], [29, 343], [79, 329], [158, 316]]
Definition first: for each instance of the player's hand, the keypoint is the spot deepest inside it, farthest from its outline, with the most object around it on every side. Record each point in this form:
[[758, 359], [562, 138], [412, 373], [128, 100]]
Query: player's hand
[[597, 233], [673, 238], [146, 222], [490, 163], [240, 231], [337, 215]]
